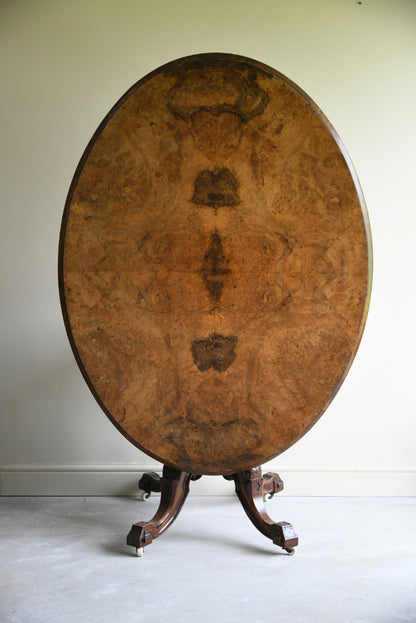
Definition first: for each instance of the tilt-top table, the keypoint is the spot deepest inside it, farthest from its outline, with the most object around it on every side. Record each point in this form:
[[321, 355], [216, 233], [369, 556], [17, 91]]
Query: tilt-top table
[[214, 269]]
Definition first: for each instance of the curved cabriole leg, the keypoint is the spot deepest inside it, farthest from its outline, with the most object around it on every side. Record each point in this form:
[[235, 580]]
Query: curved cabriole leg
[[251, 487], [174, 488]]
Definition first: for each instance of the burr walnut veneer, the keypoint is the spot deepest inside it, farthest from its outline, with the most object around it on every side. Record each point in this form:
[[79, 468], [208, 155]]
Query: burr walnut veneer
[[214, 264]]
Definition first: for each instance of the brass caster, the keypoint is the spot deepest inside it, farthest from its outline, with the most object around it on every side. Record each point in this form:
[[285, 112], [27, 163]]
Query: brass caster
[[144, 495], [291, 551]]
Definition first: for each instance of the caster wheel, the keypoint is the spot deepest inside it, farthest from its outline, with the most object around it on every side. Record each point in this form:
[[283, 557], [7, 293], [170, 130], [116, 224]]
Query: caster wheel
[[267, 497], [144, 495], [291, 551], [139, 551]]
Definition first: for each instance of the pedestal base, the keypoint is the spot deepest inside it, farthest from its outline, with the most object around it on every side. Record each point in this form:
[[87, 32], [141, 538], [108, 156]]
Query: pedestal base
[[252, 489]]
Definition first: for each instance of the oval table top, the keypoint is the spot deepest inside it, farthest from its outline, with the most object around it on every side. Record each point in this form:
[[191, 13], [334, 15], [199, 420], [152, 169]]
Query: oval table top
[[214, 264]]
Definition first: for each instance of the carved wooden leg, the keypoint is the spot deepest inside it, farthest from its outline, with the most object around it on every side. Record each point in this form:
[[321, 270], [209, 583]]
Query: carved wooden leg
[[272, 483], [174, 488], [150, 481], [251, 487]]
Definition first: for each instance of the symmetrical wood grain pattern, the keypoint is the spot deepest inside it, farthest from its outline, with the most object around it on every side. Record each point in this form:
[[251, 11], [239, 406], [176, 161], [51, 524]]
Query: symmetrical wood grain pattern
[[214, 264]]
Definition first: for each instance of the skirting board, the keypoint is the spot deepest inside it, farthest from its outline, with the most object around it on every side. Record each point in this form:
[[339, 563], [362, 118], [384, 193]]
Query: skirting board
[[90, 480]]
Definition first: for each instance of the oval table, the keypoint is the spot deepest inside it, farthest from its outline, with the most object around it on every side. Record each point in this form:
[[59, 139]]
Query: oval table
[[214, 270]]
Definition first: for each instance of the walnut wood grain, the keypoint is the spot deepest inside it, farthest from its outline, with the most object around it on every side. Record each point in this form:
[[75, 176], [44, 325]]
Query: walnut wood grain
[[214, 264]]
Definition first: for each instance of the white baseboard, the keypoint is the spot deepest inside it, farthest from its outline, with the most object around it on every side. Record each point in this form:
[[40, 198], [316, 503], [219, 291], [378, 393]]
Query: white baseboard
[[122, 480]]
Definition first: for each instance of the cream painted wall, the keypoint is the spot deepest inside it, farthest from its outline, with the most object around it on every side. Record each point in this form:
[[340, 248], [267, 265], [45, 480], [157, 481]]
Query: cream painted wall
[[63, 65]]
